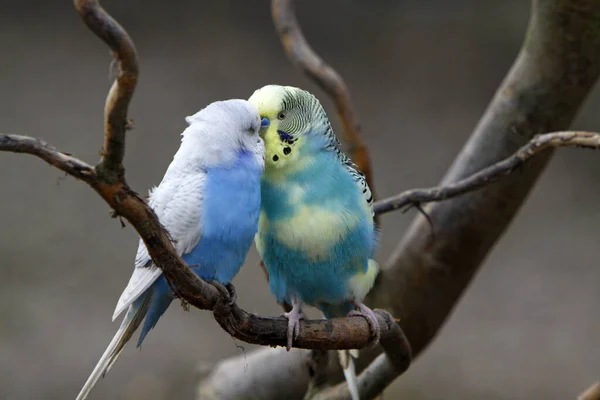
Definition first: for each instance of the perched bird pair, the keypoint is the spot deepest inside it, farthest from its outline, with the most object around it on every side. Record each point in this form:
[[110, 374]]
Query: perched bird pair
[[310, 213]]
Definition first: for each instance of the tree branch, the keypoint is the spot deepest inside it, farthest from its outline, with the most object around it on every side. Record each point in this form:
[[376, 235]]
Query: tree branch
[[303, 56], [380, 373], [60, 160], [557, 67], [591, 393], [387, 367], [554, 72], [107, 179], [338, 333], [341, 333], [116, 123], [492, 173]]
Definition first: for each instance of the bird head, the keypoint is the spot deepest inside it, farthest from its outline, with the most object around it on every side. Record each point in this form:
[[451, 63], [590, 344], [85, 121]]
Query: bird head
[[218, 133], [293, 125]]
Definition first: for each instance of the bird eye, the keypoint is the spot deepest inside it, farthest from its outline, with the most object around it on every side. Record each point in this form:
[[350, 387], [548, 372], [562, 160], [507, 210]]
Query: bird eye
[[251, 131], [281, 115]]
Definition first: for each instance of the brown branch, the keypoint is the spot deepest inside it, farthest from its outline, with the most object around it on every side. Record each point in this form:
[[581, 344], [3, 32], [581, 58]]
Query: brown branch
[[557, 67], [591, 393], [63, 161], [108, 181], [389, 366], [554, 72], [303, 56], [380, 373], [338, 333], [128, 204], [492, 173], [342, 333], [116, 123]]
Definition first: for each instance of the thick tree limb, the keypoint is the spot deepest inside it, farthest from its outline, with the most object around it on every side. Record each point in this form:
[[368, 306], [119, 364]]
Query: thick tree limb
[[591, 393], [120, 94], [379, 374], [554, 72], [303, 56]]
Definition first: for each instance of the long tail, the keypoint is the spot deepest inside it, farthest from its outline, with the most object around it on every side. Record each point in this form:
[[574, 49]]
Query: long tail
[[136, 313], [347, 362], [346, 357]]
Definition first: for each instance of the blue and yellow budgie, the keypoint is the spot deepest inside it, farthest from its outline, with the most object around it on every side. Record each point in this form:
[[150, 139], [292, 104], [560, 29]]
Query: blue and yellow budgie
[[316, 231]]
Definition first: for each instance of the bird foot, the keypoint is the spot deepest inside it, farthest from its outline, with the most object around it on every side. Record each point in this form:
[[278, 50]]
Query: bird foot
[[232, 293], [369, 315], [293, 318], [227, 290]]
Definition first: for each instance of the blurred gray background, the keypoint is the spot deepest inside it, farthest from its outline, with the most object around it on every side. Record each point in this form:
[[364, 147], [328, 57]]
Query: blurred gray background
[[421, 74]]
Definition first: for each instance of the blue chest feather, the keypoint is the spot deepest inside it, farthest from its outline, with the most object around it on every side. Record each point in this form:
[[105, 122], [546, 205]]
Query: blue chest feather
[[324, 182], [294, 273], [230, 212], [229, 219]]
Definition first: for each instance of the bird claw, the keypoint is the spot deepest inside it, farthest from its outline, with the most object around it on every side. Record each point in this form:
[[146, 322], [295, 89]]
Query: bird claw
[[369, 315], [232, 293], [227, 291], [293, 330]]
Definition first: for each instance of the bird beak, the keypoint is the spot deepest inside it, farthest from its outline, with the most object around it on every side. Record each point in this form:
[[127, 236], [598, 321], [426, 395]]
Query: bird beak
[[264, 126]]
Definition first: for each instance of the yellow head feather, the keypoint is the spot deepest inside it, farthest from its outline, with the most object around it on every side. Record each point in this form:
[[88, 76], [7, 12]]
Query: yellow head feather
[[285, 109]]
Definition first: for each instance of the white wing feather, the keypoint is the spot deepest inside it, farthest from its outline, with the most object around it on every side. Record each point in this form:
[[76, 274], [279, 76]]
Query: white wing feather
[[177, 202]]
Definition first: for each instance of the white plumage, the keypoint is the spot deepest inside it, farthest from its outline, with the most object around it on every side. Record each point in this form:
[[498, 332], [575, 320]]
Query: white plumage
[[215, 138]]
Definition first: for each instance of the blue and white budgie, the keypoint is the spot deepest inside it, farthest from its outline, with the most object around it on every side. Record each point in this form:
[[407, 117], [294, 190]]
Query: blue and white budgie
[[316, 233], [209, 201]]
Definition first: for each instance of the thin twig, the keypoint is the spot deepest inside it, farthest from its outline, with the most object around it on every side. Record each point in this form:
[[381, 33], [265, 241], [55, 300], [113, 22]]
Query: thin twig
[[303, 56], [116, 123], [63, 161], [490, 174]]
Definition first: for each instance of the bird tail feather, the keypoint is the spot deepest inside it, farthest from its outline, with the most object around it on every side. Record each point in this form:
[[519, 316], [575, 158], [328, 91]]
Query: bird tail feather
[[131, 322], [347, 363]]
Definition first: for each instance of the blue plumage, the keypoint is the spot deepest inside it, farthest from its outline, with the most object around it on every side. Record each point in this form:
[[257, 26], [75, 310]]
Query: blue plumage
[[229, 221], [294, 272], [209, 201], [316, 231]]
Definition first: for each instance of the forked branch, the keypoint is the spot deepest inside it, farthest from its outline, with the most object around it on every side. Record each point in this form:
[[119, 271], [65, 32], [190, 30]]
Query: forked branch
[[108, 180], [120, 94], [490, 174]]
